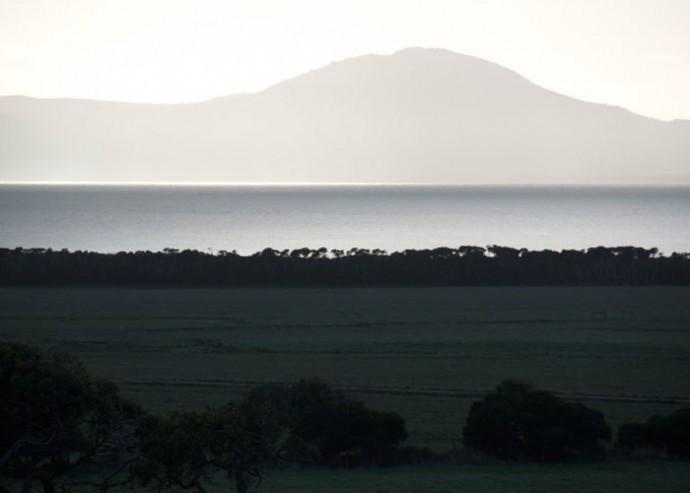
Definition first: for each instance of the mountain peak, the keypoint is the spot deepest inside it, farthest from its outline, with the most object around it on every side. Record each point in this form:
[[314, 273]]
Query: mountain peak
[[423, 50], [415, 69]]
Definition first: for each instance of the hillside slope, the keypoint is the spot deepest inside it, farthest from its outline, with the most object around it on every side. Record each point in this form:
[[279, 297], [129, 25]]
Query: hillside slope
[[419, 115]]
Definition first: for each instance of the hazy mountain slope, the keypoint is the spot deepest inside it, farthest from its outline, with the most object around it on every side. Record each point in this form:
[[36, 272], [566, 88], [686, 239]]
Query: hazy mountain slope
[[416, 116]]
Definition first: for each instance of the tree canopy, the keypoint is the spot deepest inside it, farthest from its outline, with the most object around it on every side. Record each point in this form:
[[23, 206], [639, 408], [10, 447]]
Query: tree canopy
[[324, 427], [62, 428], [58, 421], [182, 450], [668, 434], [516, 422]]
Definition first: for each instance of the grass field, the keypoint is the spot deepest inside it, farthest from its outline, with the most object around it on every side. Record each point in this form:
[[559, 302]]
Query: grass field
[[427, 353], [572, 478]]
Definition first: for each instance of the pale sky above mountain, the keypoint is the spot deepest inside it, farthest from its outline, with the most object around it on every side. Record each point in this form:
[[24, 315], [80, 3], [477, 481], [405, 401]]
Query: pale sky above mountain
[[633, 53]]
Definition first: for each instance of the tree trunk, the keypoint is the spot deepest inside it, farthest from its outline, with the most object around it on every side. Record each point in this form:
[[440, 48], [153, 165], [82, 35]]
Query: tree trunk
[[48, 486], [241, 483], [26, 484]]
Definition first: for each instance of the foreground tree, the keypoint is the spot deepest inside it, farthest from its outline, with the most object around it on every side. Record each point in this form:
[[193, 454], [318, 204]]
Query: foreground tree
[[58, 422], [516, 422]]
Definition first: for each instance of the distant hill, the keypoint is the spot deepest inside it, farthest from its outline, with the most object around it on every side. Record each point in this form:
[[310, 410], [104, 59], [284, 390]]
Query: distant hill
[[419, 115]]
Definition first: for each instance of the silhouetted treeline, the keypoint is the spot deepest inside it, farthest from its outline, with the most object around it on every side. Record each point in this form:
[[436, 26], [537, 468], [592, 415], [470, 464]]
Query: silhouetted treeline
[[466, 265]]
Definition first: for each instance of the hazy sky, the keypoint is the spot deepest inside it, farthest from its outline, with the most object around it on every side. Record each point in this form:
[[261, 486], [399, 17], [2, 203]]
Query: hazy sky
[[632, 53]]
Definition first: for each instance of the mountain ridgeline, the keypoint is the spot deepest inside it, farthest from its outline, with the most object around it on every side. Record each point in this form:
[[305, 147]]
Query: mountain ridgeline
[[463, 266], [417, 116]]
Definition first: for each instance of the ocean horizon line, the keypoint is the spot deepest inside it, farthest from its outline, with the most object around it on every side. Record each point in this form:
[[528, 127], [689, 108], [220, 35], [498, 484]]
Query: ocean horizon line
[[336, 184]]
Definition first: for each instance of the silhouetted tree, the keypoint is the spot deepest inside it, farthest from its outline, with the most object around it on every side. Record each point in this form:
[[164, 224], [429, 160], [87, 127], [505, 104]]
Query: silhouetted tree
[[324, 427], [58, 422], [517, 422], [183, 450], [665, 434]]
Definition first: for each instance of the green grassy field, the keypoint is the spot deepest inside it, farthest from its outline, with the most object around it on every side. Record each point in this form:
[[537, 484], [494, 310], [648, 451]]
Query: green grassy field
[[426, 353]]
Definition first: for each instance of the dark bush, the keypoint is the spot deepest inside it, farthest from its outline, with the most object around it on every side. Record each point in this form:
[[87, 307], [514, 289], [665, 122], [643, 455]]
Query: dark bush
[[516, 422], [659, 434], [325, 427]]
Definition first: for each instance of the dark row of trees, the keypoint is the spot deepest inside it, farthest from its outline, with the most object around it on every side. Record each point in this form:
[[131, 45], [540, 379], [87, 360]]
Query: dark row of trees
[[61, 428], [466, 265]]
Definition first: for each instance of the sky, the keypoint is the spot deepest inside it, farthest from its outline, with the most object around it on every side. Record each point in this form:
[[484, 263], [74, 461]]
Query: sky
[[629, 53]]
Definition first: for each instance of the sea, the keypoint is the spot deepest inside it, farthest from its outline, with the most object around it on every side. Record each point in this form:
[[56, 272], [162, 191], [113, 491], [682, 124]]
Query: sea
[[247, 218]]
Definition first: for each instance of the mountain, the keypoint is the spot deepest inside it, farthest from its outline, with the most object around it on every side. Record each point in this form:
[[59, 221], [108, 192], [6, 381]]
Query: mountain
[[417, 116]]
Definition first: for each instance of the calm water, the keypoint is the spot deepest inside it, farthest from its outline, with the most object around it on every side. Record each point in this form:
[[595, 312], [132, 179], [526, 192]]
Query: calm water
[[247, 219]]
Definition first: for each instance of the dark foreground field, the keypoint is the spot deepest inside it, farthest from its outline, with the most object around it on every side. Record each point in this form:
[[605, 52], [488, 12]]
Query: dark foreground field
[[570, 478], [426, 353]]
